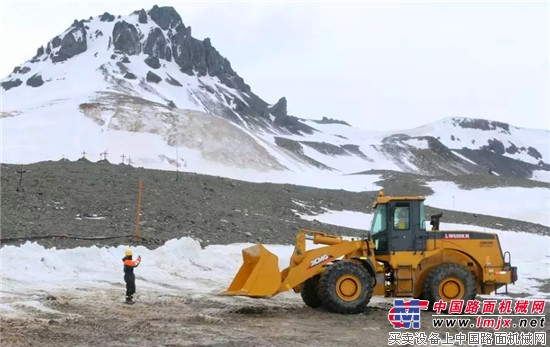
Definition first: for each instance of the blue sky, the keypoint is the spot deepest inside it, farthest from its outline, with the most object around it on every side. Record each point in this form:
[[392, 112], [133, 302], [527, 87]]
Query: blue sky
[[378, 65]]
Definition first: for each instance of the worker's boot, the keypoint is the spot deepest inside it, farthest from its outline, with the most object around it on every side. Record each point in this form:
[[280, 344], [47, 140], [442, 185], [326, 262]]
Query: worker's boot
[[129, 298]]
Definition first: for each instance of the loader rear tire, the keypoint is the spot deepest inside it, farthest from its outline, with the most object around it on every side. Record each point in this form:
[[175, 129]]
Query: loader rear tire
[[449, 282], [345, 287], [309, 292]]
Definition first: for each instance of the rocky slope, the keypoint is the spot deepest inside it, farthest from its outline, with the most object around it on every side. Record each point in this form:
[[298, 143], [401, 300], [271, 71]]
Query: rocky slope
[[100, 199]]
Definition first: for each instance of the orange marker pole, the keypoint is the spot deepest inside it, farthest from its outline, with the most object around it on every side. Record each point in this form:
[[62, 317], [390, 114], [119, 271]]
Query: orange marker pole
[[136, 232]]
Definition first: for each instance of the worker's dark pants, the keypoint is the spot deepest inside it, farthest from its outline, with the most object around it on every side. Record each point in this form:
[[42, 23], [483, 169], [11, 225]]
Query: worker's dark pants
[[130, 280]]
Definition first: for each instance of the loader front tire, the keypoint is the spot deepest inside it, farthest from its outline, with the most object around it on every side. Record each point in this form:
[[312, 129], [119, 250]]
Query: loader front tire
[[309, 292], [345, 287], [449, 282]]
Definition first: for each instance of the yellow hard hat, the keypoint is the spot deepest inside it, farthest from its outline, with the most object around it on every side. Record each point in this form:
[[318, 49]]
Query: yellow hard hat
[[128, 252]]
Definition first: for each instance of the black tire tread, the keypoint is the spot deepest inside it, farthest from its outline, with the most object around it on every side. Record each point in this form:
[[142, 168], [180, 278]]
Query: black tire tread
[[440, 272], [309, 292], [327, 286]]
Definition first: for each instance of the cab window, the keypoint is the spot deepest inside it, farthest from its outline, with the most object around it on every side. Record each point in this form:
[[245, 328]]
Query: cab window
[[402, 217], [379, 220], [422, 216]]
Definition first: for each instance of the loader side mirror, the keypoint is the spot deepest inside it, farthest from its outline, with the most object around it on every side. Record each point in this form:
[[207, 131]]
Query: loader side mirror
[[434, 220]]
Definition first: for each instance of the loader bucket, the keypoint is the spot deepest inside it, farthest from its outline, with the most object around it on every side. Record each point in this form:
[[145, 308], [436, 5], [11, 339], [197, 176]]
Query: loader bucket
[[258, 276]]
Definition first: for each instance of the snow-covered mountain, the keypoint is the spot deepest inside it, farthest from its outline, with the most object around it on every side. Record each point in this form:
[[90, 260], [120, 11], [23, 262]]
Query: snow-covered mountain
[[142, 90]]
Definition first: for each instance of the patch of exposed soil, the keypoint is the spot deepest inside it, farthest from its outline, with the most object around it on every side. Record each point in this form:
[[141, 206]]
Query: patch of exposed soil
[[100, 318]]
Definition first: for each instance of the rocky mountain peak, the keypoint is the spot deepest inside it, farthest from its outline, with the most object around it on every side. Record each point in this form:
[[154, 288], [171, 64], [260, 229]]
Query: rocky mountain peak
[[159, 39], [166, 17], [279, 109]]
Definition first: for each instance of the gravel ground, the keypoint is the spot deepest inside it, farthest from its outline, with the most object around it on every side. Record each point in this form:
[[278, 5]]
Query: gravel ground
[[99, 318], [67, 197], [100, 199]]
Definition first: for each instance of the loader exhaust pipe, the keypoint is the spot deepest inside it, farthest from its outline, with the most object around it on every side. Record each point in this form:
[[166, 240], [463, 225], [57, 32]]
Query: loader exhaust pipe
[[259, 275]]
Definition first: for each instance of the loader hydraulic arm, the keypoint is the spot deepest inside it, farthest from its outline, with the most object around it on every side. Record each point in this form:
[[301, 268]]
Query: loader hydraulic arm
[[305, 264], [259, 275], [317, 237]]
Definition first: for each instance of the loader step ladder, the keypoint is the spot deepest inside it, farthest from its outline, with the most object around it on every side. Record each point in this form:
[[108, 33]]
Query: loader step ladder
[[509, 265], [504, 291], [404, 280]]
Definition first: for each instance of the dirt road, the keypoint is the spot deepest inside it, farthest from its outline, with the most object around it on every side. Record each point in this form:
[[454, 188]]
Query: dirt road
[[98, 317]]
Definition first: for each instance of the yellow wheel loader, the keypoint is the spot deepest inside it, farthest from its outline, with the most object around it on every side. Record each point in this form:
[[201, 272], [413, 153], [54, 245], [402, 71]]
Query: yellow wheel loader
[[399, 257]]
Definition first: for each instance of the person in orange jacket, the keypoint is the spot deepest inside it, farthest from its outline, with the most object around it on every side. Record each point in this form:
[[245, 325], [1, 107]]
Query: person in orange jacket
[[129, 276]]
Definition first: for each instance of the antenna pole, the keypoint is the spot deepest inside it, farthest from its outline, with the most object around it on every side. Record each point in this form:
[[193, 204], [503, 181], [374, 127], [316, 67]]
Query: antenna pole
[[177, 162], [20, 172], [136, 232]]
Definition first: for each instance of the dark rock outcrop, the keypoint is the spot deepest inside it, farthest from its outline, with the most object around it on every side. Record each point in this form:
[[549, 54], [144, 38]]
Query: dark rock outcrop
[[39, 51], [512, 149], [503, 165], [78, 24], [193, 55], [106, 17], [188, 53], [142, 16], [35, 81], [221, 67], [155, 45], [166, 17], [73, 43], [495, 146], [22, 70], [56, 42], [534, 153], [152, 62], [437, 159], [292, 124], [325, 148], [130, 76], [279, 109], [11, 84], [481, 124], [126, 38], [326, 120], [123, 68], [354, 149], [151, 77], [297, 149], [171, 80]]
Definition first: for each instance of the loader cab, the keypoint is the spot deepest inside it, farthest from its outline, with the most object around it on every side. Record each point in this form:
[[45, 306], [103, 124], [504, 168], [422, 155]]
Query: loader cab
[[398, 224]]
